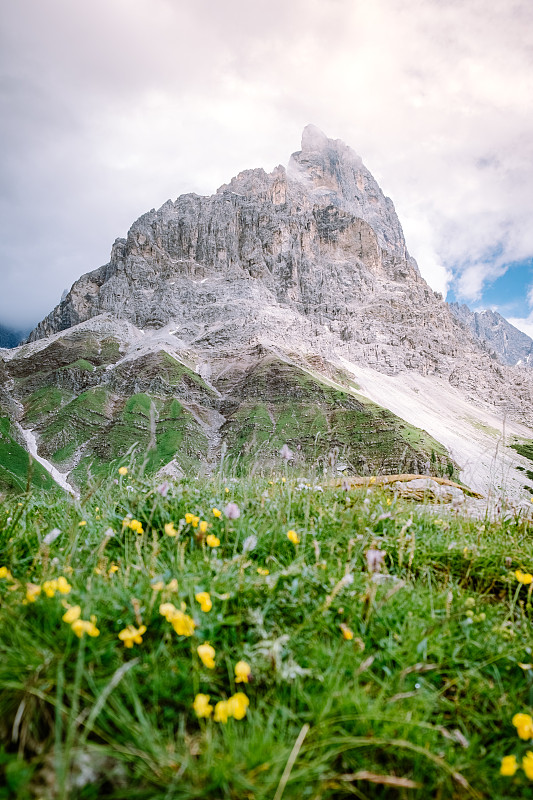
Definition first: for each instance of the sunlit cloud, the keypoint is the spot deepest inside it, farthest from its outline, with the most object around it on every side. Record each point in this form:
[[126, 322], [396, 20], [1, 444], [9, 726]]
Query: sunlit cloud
[[110, 108]]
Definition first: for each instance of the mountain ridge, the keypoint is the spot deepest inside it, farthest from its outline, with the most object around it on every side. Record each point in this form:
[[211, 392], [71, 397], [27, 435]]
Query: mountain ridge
[[510, 344], [278, 281]]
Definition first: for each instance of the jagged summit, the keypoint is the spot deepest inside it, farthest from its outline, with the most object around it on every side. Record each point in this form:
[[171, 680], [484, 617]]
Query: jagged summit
[[336, 174], [314, 138], [326, 172]]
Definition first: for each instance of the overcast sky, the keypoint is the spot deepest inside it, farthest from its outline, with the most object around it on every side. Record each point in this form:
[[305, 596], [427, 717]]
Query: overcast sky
[[109, 108]]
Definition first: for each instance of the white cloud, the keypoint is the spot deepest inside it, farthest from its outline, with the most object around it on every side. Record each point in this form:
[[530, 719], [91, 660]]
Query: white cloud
[[109, 108], [524, 324]]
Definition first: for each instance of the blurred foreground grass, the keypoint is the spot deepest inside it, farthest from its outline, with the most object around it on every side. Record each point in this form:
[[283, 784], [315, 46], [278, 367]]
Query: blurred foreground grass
[[382, 651]]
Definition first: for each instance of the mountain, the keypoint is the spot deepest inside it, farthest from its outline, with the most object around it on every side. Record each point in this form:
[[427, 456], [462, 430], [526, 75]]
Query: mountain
[[10, 337], [283, 309], [500, 337]]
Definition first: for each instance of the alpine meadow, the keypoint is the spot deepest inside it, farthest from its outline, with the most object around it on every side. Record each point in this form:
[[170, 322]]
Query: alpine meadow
[[266, 515]]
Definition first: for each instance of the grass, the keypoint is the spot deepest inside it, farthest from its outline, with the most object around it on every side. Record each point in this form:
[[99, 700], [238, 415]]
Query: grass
[[402, 685], [17, 469], [156, 429], [44, 401]]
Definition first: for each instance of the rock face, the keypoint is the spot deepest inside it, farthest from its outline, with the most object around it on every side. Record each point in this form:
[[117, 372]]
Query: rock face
[[318, 241], [221, 324], [307, 258], [497, 335]]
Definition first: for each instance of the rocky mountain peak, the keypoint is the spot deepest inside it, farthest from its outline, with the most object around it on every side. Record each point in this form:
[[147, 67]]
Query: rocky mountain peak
[[314, 139], [332, 172], [310, 259]]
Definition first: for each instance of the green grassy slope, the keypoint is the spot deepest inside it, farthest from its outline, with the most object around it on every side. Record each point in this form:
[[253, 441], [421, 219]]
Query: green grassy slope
[[281, 403], [151, 431], [16, 467], [90, 409], [138, 410]]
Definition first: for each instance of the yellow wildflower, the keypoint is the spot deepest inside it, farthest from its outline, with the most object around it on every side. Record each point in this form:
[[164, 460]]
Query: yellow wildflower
[[172, 586], [524, 725], [217, 513], [201, 705], [136, 526], [293, 537], [78, 626], [91, 628], [170, 530], [346, 631], [212, 540], [242, 672], [132, 635], [205, 601], [509, 765], [63, 586], [6, 574], [183, 624], [81, 626], [263, 571], [158, 586], [167, 610], [203, 526], [237, 705], [72, 614], [122, 470], [32, 592], [207, 655], [523, 577], [112, 569], [221, 711], [50, 588], [82, 523], [527, 764], [191, 519]]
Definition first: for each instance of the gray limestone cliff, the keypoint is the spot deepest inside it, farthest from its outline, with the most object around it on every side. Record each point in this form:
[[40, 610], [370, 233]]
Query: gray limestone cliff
[[318, 239]]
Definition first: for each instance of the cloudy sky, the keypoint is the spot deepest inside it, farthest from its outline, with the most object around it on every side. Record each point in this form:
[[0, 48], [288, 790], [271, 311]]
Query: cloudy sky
[[109, 108]]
